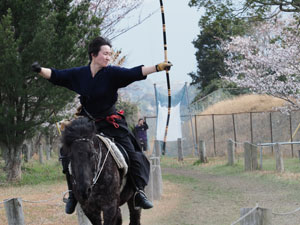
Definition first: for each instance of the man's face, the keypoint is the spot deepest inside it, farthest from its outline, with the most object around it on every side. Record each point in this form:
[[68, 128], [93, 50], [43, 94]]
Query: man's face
[[141, 122], [103, 57]]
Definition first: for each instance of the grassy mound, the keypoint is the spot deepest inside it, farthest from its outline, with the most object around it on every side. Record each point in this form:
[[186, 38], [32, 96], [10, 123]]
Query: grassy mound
[[245, 103]]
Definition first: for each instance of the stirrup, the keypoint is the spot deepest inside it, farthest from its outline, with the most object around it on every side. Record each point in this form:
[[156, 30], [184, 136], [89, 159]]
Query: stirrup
[[65, 200]]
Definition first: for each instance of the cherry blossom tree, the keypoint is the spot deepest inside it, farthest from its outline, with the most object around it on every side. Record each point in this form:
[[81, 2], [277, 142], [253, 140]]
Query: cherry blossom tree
[[267, 60]]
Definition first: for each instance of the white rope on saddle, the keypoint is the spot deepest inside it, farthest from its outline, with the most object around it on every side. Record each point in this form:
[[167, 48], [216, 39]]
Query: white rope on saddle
[[118, 157], [97, 175], [115, 152]]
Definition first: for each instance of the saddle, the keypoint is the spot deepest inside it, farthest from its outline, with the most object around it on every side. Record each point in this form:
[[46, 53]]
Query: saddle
[[118, 156], [116, 153]]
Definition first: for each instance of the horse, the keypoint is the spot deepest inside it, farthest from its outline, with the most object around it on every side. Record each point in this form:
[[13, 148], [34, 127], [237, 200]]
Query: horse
[[96, 177]]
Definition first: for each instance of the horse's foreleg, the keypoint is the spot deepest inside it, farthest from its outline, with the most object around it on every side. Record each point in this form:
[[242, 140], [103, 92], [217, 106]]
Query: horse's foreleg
[[119, 217], [135, 215], [95, 219], [112, 216]]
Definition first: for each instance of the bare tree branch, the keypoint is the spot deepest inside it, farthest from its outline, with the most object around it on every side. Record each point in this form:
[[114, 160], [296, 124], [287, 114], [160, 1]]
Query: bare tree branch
[[113, 12], [140, 21]]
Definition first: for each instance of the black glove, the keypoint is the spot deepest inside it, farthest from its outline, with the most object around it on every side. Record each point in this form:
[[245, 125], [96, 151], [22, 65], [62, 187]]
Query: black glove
[[36, 67], [163, 66]]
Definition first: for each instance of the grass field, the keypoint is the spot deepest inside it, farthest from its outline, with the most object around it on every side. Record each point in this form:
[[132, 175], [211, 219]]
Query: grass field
[[193, 193]]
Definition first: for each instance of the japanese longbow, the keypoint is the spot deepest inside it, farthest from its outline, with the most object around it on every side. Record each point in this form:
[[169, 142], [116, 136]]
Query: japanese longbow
[[167, 74]]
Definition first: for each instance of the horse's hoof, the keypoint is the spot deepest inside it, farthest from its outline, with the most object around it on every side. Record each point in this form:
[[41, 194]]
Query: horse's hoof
[[141, 201], [71, 205]]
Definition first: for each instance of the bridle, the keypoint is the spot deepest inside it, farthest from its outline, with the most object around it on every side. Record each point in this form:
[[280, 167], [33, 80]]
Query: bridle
[[98, 167]]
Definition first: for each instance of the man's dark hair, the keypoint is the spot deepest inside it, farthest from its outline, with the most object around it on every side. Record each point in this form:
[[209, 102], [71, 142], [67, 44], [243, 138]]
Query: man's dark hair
[[95, 46]]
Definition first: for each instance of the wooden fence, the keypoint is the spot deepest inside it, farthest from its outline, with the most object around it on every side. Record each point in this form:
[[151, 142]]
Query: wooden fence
[[154, 190], [216, 129]]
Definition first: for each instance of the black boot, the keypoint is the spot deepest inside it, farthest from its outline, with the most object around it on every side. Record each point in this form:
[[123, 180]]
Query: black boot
[[71, 203], [141, 200]]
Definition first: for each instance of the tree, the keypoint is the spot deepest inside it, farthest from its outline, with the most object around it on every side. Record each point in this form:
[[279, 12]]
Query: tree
[[209, 56], [113, 12], [267, 60], [267, 5], [254, 9], [217, 24], [55, 34]]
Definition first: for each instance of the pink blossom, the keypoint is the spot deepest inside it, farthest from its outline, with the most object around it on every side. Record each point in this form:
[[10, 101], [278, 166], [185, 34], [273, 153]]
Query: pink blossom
[[270, 61]]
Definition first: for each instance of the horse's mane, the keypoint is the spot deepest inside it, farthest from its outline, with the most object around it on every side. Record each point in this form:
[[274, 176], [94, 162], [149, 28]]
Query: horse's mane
[[82, 127]]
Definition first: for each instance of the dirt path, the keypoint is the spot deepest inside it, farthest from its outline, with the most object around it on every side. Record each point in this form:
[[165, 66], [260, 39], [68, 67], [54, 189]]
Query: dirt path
[[190, 197], [212, 199]]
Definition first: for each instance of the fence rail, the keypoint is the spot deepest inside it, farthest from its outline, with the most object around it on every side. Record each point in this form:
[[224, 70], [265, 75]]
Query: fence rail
[[216, 129], [15, 215], [262, 216]]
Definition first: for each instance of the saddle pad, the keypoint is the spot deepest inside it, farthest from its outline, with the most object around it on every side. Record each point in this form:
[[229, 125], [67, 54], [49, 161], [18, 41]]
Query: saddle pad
[[116, 153]]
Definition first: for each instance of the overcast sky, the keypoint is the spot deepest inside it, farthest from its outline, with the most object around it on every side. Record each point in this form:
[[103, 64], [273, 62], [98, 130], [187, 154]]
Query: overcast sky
[[144, 43]]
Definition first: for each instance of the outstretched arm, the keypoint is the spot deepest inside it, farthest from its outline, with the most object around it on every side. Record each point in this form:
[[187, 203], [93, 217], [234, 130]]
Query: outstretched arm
[[44, 72], [145, 125], [146, 70]]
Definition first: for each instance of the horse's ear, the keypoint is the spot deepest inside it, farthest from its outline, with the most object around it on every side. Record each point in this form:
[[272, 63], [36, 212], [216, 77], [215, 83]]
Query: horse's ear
[[63, 123]]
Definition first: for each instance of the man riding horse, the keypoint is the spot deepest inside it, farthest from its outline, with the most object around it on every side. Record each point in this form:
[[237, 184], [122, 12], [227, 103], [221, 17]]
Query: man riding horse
[[98, 84]]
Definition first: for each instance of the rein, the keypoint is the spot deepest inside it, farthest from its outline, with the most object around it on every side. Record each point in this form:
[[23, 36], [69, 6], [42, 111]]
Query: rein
[[99, 170], [98, 166]]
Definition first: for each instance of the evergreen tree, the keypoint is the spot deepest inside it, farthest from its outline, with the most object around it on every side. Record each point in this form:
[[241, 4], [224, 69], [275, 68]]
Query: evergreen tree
[[216, 25], [55, 33]]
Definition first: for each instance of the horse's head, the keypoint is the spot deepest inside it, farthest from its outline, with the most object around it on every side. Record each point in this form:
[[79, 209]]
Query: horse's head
[[78, 142]]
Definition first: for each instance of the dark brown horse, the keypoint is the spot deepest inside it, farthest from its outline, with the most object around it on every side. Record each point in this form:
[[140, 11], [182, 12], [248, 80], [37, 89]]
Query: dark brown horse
[[96, 177]]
